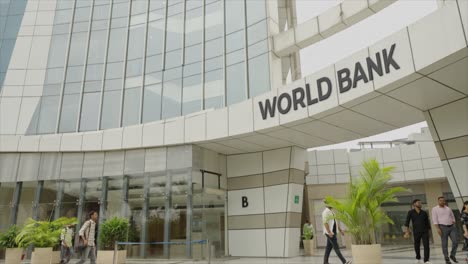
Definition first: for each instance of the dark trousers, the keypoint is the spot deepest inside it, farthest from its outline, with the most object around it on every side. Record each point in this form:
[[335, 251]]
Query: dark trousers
[[449, 231], [417, 244], [332, 243]]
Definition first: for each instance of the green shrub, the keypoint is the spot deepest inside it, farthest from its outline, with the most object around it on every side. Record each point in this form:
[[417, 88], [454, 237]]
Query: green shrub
[[113, 230], [7, 239], [361, 211], [307, 233], [42, 234]]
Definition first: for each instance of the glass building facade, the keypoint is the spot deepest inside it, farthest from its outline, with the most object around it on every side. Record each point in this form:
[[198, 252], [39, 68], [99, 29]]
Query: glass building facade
[[116, 63]]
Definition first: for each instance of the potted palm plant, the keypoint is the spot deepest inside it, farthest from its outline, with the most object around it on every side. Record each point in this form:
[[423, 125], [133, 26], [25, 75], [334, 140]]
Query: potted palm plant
[[43, 235], [361, 210], [308, 239], [7, 241], [111, 231]]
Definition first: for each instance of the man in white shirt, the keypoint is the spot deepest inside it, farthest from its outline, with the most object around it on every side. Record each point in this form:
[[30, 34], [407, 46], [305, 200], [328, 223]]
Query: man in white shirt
[[87, 234], [329, 230]]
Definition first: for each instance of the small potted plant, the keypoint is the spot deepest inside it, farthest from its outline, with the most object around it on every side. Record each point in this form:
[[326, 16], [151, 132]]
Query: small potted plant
[[362, 213], [43, 235], [111, 231], [308, 239], [7, 241]]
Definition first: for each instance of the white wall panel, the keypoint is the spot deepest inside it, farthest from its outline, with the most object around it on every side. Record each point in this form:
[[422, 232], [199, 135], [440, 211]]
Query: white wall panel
[[431, 163], [259, 122], [412, 165], [293, 114], [19, 58], [112, 139], [241, 118], [414, 175], [217, 124], [325, 157], [254, 198], [92, 141], [244, 164], [356, 158], [9, 112], [326, 179], [298, 159], [295, 190], [276, 198], [28, 116], [428, 150], [321, 108], [292, 247], [153, 134], [132, 136], [252, 247], [174, 131], [459, 167], [50, 142], [410, 152], [447, 119], [326, 169], [71, 141], [275, 238], [39, 52], [277, 159], [437, 173], [340, 156], [391, 154], [195, 127], [9, 143]]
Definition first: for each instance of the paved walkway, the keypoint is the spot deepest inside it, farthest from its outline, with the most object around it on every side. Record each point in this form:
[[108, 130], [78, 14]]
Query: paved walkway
[[391, 255]]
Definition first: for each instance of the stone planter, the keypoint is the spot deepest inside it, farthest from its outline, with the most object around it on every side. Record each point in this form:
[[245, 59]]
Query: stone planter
[[55, 257], [309, 247], [366, 254], [13, 255], [107, 257], [41, 256]]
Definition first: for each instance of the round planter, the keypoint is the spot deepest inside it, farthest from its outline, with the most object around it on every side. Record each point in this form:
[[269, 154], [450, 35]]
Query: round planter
[[13, 255], [366, 254], [41, 256], [107, 257], [309, 247]]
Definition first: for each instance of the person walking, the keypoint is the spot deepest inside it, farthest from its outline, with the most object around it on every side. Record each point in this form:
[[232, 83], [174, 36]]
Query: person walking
[[444, 222], [464, 219], [421, 227], [66, 246], [329, 230], [87, 235]]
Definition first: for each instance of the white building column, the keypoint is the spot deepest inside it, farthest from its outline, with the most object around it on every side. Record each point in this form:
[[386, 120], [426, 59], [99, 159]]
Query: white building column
[[449, 128]]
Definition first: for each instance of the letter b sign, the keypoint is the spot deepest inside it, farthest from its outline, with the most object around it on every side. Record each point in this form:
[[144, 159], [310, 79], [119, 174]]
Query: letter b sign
[[245, 202]]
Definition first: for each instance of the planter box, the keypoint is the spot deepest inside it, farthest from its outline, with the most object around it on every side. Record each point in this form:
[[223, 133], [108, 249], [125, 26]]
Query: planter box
[[107, 257], [309, 247], [13, 255], [41, 256], [55, 257], [366, 254]]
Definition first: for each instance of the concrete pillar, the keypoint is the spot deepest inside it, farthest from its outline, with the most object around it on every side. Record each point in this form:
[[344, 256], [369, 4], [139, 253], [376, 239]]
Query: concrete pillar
[[449, 129]]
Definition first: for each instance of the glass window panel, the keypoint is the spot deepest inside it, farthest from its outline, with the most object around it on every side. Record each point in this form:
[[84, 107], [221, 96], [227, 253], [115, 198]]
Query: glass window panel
[[83, 3], [89, 110], [6, 195], [135, 42], [54, 75], [214, 64], [97, 46], [155, 77], [152, 103], [63, 16], [194, 53], [235, 41], [48, 115], [72, 165], [139, 7], [50, 166], [172, 93], [29, 167], [175, 8], [157, 4], [114, 70], [26, 201], [52, 89], [134, 67], [173, 59], [71, 195], [131, 107], [94, 72], [259, 75], [77, 49], [192, 69], [120, 9], [13, 24], [235, 57], [257, 32], [235, 79], [256, 11], [100, 25], [175, 28], [81, 27], [110, 110], [192, 101], [47, 199], [153, 63], [235, 16], [9, 166], [214, 89], [92, 86], [119, 22], [155, 37], [112, 85], [82, 14], [69, 114], [258, 48], [101, 12], [134, 161], [214, 48], [132, 82], [113, 163], [117, 41], [114, 198], [72, 88], [58, 49], [214, 20], [93, 164], [61, 29], [194, 26], [75, 73]]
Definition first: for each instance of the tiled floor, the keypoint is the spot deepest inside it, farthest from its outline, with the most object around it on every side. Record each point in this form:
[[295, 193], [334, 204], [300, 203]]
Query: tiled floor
[[391, 255]]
